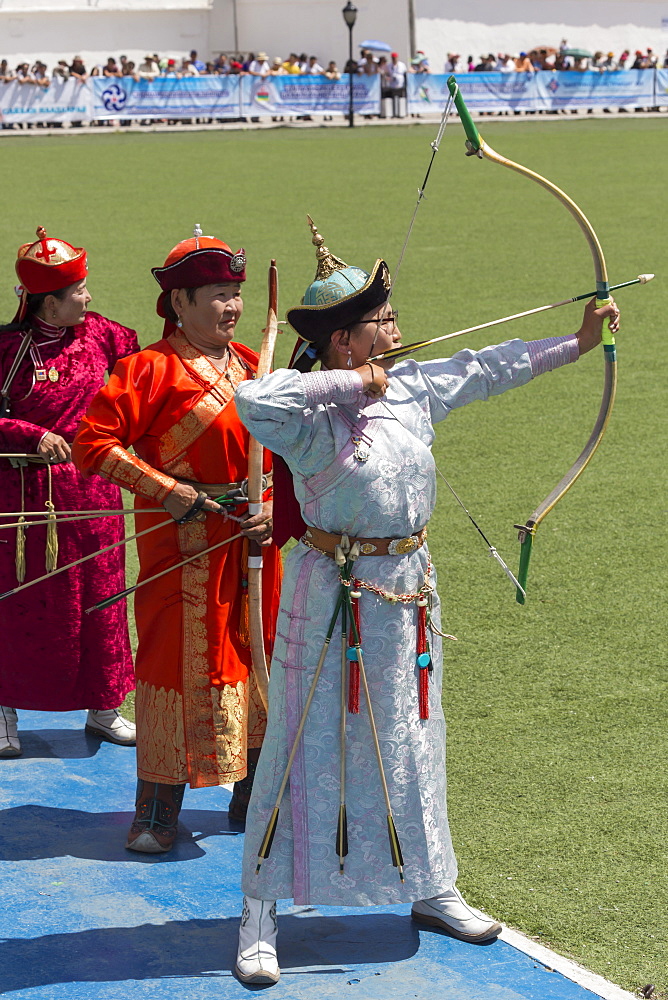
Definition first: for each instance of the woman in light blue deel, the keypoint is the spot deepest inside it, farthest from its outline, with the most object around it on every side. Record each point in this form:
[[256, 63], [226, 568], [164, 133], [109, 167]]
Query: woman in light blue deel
[[357, 438]]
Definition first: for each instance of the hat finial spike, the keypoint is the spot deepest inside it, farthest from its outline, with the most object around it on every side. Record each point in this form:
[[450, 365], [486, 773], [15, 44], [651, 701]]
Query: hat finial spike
[[197, 232], [327, 262], [41, 233]]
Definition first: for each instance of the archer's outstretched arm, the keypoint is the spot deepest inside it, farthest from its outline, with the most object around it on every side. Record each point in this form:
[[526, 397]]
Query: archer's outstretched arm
[[449, 383]]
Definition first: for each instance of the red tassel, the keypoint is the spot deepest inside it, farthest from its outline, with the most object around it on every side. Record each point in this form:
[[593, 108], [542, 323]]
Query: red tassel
[[354, 667], [423, 694], [423, 661]]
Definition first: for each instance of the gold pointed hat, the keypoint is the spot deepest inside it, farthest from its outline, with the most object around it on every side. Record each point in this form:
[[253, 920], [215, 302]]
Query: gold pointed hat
[[339, 295], [327, 262]]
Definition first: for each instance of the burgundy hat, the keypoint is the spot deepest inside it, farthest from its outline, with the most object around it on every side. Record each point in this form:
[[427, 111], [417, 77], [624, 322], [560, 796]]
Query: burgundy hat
[[200, 260]]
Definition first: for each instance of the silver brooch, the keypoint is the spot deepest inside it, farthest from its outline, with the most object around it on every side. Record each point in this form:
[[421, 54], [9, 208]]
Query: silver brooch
[[360, 453], [238, 261]]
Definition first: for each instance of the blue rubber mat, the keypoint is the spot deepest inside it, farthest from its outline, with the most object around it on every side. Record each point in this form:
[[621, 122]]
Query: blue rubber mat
[[83, 918]]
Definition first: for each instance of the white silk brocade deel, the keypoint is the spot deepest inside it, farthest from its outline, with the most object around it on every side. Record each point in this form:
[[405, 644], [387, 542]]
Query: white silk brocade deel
[[310, 420]]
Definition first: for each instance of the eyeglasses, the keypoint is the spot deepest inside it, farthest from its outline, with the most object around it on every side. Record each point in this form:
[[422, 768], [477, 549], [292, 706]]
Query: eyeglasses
[[388, 322]]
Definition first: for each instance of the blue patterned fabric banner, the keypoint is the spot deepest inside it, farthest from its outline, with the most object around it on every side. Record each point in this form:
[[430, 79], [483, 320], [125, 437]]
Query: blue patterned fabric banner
[[541, 91], [166, 97], [62, 101], [252, 97], [303, 95]]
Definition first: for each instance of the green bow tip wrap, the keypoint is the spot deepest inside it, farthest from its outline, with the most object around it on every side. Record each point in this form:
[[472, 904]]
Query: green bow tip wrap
[[476, 146]]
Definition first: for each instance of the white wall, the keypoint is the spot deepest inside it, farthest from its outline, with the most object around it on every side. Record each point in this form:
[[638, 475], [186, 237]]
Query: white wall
[[57, 29], [483, 26], [97, 34], [313, 26]]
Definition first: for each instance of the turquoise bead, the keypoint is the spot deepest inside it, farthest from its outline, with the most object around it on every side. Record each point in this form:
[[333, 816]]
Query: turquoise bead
[[423, 660], [351, 653]]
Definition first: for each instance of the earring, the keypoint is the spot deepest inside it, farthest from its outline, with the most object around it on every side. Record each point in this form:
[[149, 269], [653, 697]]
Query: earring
[[179, 323], [349, 362], [53, 314]]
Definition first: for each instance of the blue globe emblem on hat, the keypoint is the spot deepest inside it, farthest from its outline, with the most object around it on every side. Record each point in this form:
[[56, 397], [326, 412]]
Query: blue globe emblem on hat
[[114, 97], [337, 286]]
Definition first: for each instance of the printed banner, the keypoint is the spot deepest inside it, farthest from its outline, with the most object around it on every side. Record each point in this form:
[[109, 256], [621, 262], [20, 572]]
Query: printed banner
[[661, 87], [253, 97], [304, 95], [541, 91], [62, 101], [166, 97]]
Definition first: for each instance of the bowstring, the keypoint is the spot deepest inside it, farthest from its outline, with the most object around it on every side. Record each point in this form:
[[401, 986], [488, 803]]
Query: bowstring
[[491, 548], [447, 110]]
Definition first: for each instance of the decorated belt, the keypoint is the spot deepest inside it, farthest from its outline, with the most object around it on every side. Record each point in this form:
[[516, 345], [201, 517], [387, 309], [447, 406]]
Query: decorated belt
[[326, 542], [237, 492]]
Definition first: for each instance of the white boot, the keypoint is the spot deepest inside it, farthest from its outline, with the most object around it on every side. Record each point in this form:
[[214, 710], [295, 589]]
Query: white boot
[[256, 958], [111, 726], [10, 745], [452, 914]]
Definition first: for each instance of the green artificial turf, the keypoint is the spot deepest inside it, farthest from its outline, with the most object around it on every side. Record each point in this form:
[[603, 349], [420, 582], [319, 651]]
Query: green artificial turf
[[556, 710]]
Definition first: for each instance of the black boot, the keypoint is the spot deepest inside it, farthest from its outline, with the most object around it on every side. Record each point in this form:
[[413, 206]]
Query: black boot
[[238, 806]]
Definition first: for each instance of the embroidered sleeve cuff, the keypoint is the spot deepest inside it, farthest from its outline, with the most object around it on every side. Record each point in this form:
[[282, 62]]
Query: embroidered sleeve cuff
[[553, 352], [338, 386], [132, 474]]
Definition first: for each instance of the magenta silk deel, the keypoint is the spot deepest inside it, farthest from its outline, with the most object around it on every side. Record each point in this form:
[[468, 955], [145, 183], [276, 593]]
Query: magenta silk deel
[[54, 656]]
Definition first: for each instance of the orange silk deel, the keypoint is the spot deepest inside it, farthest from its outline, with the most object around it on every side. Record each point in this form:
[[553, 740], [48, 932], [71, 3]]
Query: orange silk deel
[[177, 411]]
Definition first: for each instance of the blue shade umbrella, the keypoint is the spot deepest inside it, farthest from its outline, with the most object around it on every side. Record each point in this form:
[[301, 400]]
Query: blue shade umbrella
[[376, 46]]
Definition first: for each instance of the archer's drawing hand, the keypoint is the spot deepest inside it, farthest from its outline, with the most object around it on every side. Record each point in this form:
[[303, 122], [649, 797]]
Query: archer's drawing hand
[[374, 379], [181, 499]]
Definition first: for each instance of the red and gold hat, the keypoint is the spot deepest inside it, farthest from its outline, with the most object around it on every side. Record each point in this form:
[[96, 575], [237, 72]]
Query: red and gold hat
[[47, 265], [200, 260]]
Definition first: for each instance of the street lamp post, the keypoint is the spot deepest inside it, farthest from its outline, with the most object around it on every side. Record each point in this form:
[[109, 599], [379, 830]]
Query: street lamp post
[[350, 16]]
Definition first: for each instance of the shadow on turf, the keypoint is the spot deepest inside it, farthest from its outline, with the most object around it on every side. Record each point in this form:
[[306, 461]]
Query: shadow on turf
[[201, 948], [30, 832], [50, 744]]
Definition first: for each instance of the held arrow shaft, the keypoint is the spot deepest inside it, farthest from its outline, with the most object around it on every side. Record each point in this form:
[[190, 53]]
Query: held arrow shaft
[[108, 601], [400, 352], [267, 840], [78, 562], [395, 846], [63, 516], [342, 822]]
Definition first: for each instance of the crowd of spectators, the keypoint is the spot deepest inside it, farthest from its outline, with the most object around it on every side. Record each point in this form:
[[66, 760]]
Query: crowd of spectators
[[391, 68], [553, 60], [254, 64]]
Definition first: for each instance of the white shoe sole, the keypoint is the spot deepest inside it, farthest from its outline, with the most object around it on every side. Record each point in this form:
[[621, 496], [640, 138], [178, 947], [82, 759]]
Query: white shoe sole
[[105, 734], [261, 976], [7, 750], [489, 935]]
